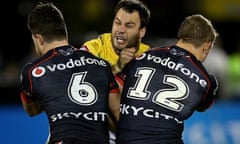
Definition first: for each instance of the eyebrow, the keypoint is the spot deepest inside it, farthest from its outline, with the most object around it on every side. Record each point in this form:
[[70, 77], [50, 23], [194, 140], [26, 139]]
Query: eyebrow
[[130, 22]]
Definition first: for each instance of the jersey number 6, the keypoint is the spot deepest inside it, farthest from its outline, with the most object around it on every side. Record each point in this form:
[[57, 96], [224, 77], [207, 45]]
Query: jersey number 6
[[80, 91]]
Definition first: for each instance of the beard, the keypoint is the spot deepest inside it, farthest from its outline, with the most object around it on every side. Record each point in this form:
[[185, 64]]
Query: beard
[[133, 43]]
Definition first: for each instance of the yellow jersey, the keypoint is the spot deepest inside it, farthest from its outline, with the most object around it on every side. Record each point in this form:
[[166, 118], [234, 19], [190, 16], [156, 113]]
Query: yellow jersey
[[102, 48]]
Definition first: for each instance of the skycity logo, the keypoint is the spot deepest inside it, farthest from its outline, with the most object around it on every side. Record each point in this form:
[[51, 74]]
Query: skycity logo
[[91, 116], [146, 112]]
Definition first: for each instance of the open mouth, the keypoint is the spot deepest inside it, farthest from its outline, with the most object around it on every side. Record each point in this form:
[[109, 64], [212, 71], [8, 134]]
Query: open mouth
[[120, 39]]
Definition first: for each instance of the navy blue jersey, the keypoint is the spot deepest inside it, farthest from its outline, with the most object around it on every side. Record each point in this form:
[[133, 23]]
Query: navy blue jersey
[[162, 88], [72, 87]]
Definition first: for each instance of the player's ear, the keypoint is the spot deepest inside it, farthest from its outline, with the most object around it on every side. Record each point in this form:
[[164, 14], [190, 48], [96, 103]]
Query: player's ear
[[142, 32], [206, 47], [38, 38]]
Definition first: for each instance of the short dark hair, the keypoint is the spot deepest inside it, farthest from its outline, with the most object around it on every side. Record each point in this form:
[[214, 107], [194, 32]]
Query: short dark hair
[[197, 29], [46, 19], [135, 5]]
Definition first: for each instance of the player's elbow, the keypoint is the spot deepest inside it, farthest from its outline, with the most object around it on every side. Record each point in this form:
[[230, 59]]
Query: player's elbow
[[201, 109], [32, 109], [33, 113], [204, 106]]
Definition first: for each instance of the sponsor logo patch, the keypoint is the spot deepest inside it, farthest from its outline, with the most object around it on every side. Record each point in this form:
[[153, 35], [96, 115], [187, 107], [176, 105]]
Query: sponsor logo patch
[[38, 71]]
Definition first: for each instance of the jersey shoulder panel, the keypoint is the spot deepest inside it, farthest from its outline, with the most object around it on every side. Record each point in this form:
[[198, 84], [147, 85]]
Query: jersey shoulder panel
[[142, 48], [99, 44], [102, 47]]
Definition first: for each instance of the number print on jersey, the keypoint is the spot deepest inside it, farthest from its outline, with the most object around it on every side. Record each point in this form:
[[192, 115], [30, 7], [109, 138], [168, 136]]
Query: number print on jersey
[[164, 97], [80, 91], [168, 97], [139, 91]]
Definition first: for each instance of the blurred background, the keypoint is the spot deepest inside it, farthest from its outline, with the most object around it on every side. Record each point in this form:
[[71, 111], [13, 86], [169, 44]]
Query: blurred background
[[85, 20]]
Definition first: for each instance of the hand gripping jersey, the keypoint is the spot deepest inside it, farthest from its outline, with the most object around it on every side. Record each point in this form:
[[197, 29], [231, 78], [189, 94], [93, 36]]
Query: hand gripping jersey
[[72, 87], [162, 88], [102, 47]]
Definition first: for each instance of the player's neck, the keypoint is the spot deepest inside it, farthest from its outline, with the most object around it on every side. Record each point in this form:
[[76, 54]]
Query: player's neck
[[189, 47], [54, 44]]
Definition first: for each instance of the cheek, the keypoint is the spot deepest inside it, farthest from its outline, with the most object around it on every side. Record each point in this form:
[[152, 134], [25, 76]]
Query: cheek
[[113, 28], [133, 36], [133, 41]]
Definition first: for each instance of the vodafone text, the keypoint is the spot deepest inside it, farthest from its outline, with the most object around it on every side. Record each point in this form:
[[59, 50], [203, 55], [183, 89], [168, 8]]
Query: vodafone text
[[167, 62], [71, 63]]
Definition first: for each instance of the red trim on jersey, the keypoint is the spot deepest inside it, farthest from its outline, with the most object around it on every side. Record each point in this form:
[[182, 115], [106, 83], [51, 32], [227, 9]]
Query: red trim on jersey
[[24, 97], [203, 74], [29, 72], [84, 48], [119, 80], [115, 90], [160, 48], [209, 85]]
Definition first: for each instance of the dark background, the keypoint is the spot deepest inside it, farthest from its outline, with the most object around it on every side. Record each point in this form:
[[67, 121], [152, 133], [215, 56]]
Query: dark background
[[87, 18]]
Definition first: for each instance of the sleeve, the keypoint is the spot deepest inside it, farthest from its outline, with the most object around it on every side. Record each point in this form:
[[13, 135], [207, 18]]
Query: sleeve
[[121, 76], [113, 84], [114, 87], [25, 91], [209, 99]]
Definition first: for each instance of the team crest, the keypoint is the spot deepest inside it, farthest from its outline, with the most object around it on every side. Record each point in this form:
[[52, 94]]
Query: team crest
[[38, 71]]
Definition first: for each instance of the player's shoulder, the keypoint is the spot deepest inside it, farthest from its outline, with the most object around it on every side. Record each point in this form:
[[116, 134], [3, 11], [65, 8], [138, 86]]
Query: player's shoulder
[[143, 47], [99, 44], [105, 39], [100, 39], [88, 54], [39, 60], [159, 48], [27, 67], [105, 36]]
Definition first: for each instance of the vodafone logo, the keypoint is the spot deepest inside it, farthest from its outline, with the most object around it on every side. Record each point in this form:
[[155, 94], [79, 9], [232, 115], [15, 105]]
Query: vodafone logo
[[140, 57], [69, 64], [38, 71]]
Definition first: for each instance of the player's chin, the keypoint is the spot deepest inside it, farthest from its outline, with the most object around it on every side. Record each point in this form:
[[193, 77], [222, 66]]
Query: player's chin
[[119, 46]]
